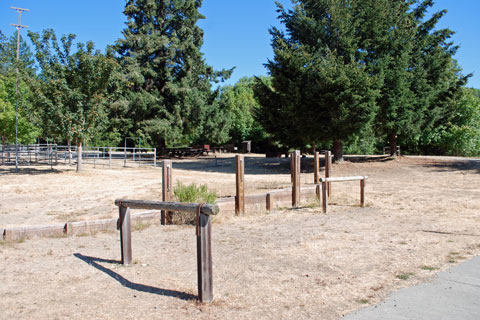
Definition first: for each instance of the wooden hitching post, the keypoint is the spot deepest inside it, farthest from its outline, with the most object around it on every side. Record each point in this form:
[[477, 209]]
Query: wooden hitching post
[[204, 259], [269, 204], [240, 183], [316, 167], [362, 191], [296, 178], [324, 197], [166, 216], [125, 234], [328, 165]]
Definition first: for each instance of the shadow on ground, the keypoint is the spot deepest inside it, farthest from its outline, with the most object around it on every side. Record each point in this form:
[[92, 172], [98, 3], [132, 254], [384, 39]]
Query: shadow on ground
[[455, 165], [93, 261], [31, 170], [253, 165], [262, 165]]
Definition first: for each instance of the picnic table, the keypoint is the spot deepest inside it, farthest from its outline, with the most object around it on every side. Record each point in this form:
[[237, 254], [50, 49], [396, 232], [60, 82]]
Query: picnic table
[[187, 151]]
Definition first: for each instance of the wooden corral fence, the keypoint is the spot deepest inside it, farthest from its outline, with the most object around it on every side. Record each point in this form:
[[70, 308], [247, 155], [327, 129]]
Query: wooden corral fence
[[203, 233]]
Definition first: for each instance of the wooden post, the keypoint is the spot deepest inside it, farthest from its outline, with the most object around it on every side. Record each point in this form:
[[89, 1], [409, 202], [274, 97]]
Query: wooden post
[[204, 259], [240, 183], [316, 167], [269, 204], [318, 191], [362, 191], [166, 216], [125, 234], [292, 166], [296, 178], [328, 165], [324, 197], [110, 158]]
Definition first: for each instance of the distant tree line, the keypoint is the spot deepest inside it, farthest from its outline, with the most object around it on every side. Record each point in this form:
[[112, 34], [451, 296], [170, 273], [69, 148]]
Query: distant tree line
[[352, 76]]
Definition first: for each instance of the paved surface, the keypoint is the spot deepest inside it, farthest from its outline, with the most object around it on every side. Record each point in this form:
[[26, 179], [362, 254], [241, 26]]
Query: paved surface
[[453, 294]]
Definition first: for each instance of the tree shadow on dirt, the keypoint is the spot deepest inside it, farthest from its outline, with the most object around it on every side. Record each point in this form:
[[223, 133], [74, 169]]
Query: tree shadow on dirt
[[456, 165], [132, 285], [262, 165], [253, 165], [29, 171]]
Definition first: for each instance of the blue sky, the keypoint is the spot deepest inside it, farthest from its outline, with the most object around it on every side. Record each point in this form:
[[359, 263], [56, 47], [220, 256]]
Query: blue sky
[[236, 31]]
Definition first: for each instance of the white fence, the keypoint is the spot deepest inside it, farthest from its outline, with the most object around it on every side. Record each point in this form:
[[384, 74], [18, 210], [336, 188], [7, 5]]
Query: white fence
[[52, 154]]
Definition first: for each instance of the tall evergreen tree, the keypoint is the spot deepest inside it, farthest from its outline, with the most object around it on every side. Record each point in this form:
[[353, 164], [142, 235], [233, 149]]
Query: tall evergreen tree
[[320, 90], [169, 97], [414, 64]]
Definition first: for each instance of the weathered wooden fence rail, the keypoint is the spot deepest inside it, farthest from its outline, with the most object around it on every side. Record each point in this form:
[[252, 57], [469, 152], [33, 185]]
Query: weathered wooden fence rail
[[203, 233], [326, 181]]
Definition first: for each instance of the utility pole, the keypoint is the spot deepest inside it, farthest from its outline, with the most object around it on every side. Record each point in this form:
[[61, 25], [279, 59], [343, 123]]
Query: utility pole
[[18, 26]]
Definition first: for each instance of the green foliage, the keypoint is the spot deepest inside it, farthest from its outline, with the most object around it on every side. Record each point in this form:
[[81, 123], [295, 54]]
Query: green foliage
[[27, 132], [240, 102], [363, 143], [169, 97], [413, 62], [194, 193], [8, 55], [319, 91], [459, 132], [71, 93]]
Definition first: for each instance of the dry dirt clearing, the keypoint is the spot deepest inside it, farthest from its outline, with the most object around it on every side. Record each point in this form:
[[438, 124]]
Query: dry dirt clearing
[[422, 216]]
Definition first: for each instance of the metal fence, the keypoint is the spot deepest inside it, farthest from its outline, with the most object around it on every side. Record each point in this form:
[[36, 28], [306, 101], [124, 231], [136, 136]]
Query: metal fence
[[52, 154]]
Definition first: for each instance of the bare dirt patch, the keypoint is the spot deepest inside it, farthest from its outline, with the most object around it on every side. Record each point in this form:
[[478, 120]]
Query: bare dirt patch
[[421, 218]]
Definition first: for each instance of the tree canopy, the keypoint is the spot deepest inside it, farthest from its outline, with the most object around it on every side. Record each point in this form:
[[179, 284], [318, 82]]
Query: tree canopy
[[71, 93]]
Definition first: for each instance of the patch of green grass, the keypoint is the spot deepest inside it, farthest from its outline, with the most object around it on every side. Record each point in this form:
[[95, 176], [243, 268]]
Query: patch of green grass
[[194, 193], [428, 268], [58, 236], [140, 226], [83, 234], [312, 205], [363, 301], [405, 276]]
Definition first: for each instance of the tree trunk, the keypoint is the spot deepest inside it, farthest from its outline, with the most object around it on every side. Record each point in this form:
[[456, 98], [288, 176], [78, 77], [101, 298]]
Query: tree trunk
[[69, 152], [392, 142], [337, 151], [79, 156]]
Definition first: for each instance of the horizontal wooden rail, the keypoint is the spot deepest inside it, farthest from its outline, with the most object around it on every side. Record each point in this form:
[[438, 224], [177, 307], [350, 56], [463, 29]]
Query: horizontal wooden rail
[[325, 182], [333, 179], [207, 208]]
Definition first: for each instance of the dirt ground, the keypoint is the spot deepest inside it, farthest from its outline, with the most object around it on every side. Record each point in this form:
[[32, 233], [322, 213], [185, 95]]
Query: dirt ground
[[421, 218]]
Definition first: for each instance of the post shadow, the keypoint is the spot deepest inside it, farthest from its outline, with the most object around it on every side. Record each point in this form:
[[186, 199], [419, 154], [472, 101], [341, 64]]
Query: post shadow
[[132, 285]]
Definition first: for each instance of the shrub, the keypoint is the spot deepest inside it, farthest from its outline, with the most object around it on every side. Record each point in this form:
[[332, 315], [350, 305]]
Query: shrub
[[191, 193], [194, 193]]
